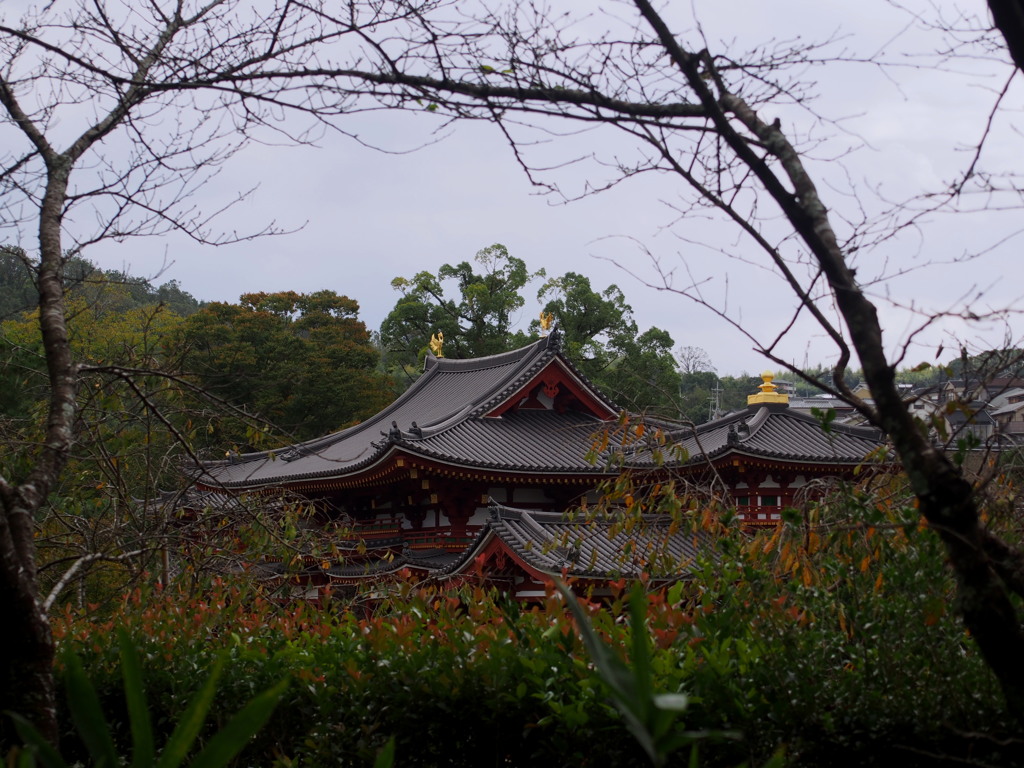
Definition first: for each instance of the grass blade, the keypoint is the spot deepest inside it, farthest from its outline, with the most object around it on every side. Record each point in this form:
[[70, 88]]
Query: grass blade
[[191, 722], [138, 709], [88, 715], [233, 737], [35, 742], [386, 756]]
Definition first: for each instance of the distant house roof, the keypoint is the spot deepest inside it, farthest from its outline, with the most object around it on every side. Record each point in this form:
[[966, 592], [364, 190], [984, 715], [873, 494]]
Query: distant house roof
[[1008, 407], [972, 413], [978, 387], [1009, 397]]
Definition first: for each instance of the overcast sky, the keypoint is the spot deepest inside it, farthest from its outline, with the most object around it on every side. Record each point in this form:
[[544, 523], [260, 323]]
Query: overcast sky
[[364, 217]]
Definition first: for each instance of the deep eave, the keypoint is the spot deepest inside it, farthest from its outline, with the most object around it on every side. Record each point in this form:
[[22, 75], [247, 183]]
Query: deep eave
[[400, 463]]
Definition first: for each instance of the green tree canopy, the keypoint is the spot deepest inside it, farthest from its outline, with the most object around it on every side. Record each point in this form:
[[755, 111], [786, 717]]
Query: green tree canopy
[[128, 440], [109, 323], [595, 325], [478, 322], [17, 292], [303, 362], [600, 334], [644, 374], [602, 338]]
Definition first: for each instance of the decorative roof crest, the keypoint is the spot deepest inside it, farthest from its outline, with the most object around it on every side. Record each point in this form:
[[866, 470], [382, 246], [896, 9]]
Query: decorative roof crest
[[768, 393], [555, 337], [437, 344], [547, 320]]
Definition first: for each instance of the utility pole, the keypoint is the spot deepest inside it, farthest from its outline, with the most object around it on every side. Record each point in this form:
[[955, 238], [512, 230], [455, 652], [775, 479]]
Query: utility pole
[[715, 402]]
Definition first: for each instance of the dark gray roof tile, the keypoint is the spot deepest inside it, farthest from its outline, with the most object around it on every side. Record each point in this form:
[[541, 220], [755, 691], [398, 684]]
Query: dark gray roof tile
[[555, 544], [450, 404]]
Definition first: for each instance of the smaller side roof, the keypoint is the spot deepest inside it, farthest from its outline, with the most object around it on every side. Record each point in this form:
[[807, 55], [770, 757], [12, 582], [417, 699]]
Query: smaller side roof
[[778, 432], [553, 545]]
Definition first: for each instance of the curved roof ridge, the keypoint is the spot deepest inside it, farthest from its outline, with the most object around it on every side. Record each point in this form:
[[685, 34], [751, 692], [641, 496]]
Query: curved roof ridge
[[318, 444], [532, 358], [857, 430], [430, 429], [445, 395], [590, 385], [433, 368], [758, 419], [487, 361], [535, 538]]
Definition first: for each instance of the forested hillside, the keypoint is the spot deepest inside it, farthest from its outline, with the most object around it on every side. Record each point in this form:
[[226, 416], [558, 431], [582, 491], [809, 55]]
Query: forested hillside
[[166, 379]]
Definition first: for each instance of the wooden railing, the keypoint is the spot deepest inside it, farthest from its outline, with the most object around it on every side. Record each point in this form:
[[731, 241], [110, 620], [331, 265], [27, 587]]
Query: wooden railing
[[756, 515], [440, 538]]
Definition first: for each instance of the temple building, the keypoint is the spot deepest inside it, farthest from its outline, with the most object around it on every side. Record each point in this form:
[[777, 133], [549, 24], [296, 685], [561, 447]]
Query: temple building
[[770, 457], [477, 462]]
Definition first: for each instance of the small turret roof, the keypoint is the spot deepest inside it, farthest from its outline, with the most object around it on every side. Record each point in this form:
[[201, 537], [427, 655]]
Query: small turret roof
[[769, 392], [770, 431]]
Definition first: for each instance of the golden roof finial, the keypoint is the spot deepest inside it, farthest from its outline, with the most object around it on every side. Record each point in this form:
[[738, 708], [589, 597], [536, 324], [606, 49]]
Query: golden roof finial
[[768, 393], [547, 319], [436, 343]]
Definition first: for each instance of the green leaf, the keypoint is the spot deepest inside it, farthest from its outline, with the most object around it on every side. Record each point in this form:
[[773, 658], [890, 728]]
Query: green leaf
[[88, 715], [672, 702], [615, 674], [138, 709], [233, 737], [825, 417], [792, 516], [37, 745], [191, 722], [386, 756], [643, 689], [675, 593], [26, 759]]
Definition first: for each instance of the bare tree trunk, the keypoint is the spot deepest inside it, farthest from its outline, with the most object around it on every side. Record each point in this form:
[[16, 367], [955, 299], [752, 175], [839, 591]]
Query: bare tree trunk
[[26, 684], [1008, 16], [26, 675]]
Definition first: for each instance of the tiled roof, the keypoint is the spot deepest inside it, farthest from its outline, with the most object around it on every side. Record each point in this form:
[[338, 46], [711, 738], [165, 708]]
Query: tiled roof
[[524, 440], [778, 433], [555, 544], [548, 542], [1004, 397], [972, 413], [447, 404], [445, 417], [1008, 408], [429, 560]]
